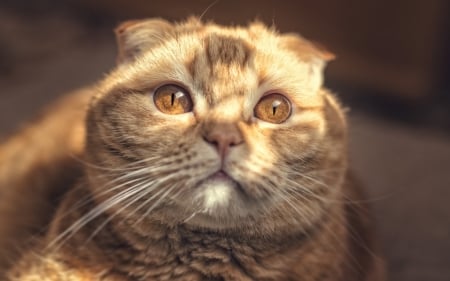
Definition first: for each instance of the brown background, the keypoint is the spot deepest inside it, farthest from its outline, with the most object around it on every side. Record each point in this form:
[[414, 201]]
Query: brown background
[[391, 71]]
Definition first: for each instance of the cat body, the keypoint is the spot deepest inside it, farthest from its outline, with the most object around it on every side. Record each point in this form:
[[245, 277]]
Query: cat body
[[209, 153]]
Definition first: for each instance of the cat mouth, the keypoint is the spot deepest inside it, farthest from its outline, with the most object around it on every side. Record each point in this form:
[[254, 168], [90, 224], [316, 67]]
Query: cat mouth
[[219, 189], [222, 176]]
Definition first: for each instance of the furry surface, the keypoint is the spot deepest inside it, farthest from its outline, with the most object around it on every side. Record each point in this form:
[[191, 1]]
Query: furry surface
[[277, 231]]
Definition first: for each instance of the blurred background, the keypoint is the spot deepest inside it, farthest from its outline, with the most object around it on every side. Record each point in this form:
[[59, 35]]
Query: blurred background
[[392, 71]]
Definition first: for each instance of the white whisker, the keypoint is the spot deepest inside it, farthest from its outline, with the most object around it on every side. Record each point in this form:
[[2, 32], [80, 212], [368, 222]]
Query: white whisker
[[94, 213], [154, 204]]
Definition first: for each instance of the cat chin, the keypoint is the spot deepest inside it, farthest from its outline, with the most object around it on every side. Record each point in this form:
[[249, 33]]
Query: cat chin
[[216, 202], [219, 196]]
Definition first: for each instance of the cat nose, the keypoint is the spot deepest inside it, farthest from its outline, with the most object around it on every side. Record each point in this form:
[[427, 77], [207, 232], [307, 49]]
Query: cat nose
[[222, 137]]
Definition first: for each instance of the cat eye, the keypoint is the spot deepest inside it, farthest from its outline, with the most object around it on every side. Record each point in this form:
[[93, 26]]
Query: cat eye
[[172, 99], [273, 108]]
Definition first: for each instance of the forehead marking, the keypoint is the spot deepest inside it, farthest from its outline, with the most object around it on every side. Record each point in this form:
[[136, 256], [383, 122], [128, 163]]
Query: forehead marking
[[226, 50], [221, 58]]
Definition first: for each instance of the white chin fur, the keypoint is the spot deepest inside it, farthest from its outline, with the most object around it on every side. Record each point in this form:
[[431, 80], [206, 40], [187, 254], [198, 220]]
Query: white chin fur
[[217, 194]]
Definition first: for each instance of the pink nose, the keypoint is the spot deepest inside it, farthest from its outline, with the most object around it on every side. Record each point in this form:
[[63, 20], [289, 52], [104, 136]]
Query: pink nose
[[222, 137]]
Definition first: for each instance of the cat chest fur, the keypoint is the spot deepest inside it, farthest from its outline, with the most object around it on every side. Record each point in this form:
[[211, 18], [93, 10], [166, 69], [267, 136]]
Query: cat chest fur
[[159, 253], [185, 255]]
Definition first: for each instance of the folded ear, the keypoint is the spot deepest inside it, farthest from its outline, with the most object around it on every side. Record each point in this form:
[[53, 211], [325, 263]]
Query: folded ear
[[306, 49], [313, 54], [135, 36]]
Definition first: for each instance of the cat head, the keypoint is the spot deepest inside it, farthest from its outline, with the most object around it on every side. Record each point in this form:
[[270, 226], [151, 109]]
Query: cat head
[[224, 128]]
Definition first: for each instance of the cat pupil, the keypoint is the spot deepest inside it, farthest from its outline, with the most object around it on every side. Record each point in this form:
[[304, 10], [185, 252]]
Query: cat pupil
[[275, 105], [174, 96], [172, 101]]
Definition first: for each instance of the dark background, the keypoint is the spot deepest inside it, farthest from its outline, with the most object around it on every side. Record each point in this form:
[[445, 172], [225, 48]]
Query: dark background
[[392, 70]]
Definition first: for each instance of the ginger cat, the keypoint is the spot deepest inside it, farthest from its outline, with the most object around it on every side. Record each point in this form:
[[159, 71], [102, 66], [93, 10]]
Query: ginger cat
[[209, 153]]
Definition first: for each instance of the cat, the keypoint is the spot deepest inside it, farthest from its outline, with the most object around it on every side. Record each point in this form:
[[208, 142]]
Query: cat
[[208, 153]]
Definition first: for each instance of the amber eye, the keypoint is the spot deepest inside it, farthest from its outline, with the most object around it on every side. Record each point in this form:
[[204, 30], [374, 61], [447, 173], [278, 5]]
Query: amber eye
[[273, 108], [172, 99]]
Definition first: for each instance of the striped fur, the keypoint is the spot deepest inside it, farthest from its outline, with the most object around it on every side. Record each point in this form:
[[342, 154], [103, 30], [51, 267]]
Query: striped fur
[[145, 208]]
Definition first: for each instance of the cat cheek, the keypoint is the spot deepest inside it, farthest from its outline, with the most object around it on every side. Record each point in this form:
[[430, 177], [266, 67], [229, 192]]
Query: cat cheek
[[176, 127]]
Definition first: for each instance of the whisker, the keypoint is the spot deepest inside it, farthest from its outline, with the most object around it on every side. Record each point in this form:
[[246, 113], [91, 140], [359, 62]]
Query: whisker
[[302, 213], [138, 172], [110, 217], [207, 8], [346, 198], [89, 198], [154, 204], [148, 187], [94, 213], [129, 166], [339, 243]]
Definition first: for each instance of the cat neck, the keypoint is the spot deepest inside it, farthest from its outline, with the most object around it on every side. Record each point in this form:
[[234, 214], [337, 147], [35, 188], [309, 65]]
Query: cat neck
[[160, 250]]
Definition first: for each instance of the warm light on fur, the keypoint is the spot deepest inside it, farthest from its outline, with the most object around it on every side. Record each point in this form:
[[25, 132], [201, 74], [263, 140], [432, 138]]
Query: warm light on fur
[[157, 196]]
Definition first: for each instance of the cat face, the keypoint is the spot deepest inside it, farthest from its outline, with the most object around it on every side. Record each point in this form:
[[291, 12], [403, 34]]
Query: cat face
[[217, 127]]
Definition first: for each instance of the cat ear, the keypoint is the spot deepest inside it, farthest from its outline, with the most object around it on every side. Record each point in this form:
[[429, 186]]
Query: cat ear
[[315, 55], [135, 36], [306, 49]]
